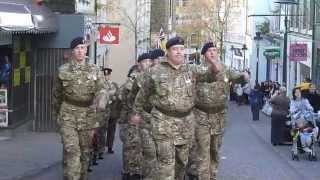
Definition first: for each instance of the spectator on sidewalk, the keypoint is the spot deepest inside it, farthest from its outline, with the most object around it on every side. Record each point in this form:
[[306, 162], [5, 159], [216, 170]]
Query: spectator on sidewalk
[[256, 101], [239, 92], [280, 109], [314, 98]]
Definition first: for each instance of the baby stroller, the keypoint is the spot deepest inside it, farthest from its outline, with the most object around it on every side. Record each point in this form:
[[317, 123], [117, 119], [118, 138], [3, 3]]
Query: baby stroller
[[304, 134]]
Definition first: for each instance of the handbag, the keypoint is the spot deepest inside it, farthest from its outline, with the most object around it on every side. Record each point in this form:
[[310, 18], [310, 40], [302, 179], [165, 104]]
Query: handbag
[[267, 109]]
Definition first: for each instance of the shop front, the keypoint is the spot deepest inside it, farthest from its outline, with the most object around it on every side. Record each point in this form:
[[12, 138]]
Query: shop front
[[21, 24]]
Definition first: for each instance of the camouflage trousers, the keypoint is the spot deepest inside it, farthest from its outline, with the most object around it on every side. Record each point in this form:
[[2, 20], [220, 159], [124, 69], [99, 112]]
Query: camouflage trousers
[[149, 156], [172, 137], [131, 149], [76, 152], [101, 139], [204, 154]]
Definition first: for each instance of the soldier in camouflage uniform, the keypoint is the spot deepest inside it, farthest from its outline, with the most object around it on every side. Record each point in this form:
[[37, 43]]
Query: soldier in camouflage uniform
[[78, 94], [147, 144], [114, 109], [132, 152], [170, 88], [210, 115]]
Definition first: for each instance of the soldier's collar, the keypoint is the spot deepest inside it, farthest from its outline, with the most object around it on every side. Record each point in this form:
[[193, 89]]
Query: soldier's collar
[[166, 62]]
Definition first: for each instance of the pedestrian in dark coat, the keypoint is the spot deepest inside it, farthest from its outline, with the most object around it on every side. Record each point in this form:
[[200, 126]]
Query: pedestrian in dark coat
[[256, 101], [280, 109]]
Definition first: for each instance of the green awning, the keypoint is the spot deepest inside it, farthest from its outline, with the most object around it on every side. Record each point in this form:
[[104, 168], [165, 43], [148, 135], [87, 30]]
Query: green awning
[[272, 52]]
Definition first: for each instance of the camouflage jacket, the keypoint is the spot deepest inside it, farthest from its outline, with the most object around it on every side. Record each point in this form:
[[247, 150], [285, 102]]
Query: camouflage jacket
[[213, 95], [78, 84], [114, 104], [124, 94], [171, 89]]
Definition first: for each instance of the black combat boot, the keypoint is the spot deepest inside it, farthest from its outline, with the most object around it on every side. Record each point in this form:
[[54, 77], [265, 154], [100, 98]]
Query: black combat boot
[[101, 156], [125, 176], [94, 160], [136, 177], [110, 151], [193, 177]]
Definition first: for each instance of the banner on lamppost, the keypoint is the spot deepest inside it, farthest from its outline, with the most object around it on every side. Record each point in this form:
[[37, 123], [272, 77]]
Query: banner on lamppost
[[109, 35], [298, 52]]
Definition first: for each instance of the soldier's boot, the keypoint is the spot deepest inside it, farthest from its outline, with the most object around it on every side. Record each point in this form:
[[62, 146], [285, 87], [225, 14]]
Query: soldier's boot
[[101, 156], [89, 169], [125, 176], [110, 151], [192, 177], [94, 160], [135, 177]]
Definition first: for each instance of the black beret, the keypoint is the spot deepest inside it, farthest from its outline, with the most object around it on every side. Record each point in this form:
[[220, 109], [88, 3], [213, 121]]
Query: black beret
[[144, 56], [132, 70], [107, 71], [174, 41], [206, 47], [156, 53], [76, 41]]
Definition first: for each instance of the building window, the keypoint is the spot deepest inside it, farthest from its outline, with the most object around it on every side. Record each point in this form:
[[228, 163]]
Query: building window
[[298, 13], [292, 17], [236, 3], [305, 17]]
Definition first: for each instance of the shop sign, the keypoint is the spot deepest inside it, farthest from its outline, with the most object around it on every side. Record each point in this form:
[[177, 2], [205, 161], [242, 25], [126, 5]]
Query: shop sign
[[298, 52], [109, 35]]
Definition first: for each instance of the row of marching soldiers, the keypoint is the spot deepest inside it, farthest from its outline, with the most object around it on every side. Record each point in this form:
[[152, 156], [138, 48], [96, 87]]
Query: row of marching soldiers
[[172, 113]]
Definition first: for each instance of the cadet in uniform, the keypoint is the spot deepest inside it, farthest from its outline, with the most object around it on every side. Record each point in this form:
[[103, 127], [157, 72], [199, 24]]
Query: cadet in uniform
[[210, 115], [132, 153], [157, 55], [169, 88], [114, 106], [79, 92]]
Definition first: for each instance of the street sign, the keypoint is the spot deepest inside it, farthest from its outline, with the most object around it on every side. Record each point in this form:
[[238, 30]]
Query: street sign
[[298, 52], [109, 35]]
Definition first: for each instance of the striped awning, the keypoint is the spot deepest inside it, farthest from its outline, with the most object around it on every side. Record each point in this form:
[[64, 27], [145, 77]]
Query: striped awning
[[24, 16]]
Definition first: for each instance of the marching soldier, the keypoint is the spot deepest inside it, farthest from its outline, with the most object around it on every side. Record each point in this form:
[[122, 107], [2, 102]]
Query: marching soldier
[[157, 55], [114, 106], [79, 93], [210, 115], [169, 88], [132, 152]]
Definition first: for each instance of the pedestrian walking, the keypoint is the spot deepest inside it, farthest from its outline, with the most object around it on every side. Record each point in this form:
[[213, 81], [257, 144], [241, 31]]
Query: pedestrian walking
[[170, 89], [78, 94], [280, 110], [256, 102]]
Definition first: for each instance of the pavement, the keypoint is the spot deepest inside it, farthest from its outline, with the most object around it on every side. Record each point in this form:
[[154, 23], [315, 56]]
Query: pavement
[[246, 154], [28, 153]]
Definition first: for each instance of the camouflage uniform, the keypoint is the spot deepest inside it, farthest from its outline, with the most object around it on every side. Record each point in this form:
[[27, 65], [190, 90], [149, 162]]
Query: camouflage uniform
[[129, 134], [104, 117], [77, 88], [114, 112], [171, 93], [147, 143], [210, 112]]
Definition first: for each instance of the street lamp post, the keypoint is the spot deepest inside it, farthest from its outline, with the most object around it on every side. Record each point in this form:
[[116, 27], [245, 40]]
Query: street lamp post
[[244, 48], [257, 38], [232, 49], [286, 3]]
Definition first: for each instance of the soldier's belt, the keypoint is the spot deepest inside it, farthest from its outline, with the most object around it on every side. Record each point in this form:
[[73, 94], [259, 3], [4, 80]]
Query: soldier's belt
[[173, 114], [79, 103], [211, 110]]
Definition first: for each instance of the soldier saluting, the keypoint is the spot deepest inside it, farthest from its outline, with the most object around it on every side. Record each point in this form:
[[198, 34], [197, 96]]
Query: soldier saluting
[[79, 93]]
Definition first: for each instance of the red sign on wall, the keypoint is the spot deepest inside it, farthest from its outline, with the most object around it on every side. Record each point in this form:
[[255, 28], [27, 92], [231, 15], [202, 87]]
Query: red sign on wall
[[298, 52], [109, 35]]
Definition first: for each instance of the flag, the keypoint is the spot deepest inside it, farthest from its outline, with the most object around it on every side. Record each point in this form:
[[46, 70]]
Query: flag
[[161, 43]]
